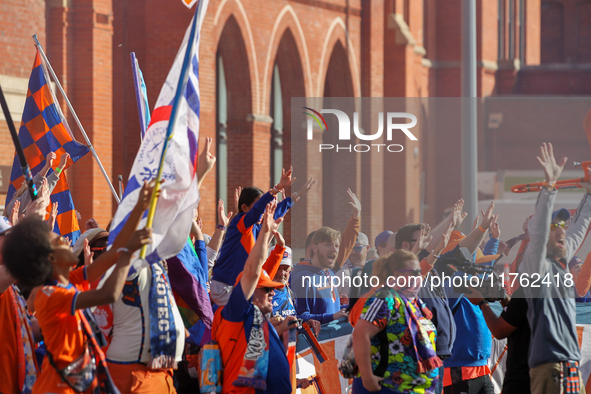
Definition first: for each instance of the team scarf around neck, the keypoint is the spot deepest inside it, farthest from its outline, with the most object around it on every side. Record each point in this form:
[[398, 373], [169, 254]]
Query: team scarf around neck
[[426, 355], [163, 336], [27, 364], [255, 364]]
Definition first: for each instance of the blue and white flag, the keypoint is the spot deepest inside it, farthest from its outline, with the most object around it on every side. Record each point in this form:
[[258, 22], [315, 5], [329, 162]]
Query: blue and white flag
[[179, 195], [141, 95]]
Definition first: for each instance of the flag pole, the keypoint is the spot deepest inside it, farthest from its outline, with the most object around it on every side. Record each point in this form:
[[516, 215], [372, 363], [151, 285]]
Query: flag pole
[[19, 149], [137, 86], [88, 143], [171, 122]]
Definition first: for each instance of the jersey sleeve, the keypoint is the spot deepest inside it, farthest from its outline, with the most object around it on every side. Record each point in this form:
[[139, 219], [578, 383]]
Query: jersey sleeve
[[237, 308], [56, 302], [375, 310], [79, 278]]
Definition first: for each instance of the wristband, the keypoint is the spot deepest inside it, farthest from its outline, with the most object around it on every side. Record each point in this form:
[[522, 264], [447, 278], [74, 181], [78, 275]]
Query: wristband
[[123, 250], [274, 190], [550, 185], [296, 195], [483, 302], [435, 255], [220, 227], [481, 229], [58, 170]]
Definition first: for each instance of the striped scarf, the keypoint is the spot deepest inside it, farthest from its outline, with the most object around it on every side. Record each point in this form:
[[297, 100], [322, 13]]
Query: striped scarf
[[27, 364]]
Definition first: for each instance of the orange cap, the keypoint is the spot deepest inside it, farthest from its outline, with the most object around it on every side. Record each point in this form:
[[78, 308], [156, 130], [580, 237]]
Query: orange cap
[[264, 281]]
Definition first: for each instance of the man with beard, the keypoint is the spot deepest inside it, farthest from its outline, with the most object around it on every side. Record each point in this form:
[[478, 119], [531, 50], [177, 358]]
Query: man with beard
[[312, 281], [554, 352]]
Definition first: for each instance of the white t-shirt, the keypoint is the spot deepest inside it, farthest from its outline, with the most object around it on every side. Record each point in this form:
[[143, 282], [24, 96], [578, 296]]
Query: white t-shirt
[[129, 323]]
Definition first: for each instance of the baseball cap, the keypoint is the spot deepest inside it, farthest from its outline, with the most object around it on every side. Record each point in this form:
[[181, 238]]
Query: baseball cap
[[287, 257], [574, 261], [264, 281], [4, 225], [92, 235], [561, 213], [383, 237], [362, 240]]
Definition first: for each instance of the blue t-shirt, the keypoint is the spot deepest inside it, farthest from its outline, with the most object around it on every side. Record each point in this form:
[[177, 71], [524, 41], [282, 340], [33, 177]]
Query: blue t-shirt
[[238, 310], [283, 304]]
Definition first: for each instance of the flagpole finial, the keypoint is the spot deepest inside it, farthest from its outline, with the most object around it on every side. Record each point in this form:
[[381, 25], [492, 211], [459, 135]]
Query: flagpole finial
[[35, 38]]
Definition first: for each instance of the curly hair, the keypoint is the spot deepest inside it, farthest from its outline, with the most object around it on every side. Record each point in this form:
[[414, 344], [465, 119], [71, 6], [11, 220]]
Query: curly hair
[[386, 265], [25, 252]]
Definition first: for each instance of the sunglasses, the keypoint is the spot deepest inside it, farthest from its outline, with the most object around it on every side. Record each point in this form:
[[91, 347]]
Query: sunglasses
[[555, 225], [358, 249], [416, 272], [268, 289]]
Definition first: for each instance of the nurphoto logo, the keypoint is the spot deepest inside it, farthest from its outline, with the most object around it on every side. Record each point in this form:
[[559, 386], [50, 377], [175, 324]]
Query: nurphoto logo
[[345, 130]]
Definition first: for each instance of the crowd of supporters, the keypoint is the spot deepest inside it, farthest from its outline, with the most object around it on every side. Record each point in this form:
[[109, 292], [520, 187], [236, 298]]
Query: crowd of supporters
[[81, 318]]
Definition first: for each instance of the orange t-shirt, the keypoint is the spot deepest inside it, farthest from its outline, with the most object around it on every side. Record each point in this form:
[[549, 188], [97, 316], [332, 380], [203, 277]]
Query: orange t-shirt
[[62, 331]]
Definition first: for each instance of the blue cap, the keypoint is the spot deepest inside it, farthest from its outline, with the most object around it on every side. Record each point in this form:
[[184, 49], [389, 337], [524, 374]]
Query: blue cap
[[383, 237], [562, 213]]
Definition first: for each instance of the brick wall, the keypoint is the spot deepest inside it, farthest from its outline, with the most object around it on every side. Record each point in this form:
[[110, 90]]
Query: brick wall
[[371, 48]]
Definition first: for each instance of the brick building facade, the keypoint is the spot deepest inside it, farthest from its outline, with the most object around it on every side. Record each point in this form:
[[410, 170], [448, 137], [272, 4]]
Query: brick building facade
[[257, 54]]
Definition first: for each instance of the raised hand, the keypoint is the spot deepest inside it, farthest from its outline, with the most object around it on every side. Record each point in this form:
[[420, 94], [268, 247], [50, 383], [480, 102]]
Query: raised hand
[[495, 230], [223, 219], [306, 188], [87, 253], [552, 170], [423, 240], [456, 216], [355, 203], [488, 217], [90, 224], [475, 223], [279, 238], [51, 156], [63, 161], [270, 224], [206, 159], [52, 216], [139, 238], [237, 193], [13, 216], [143, 200], [286, 179], [38, 207], [444, 239], [586, 185]]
